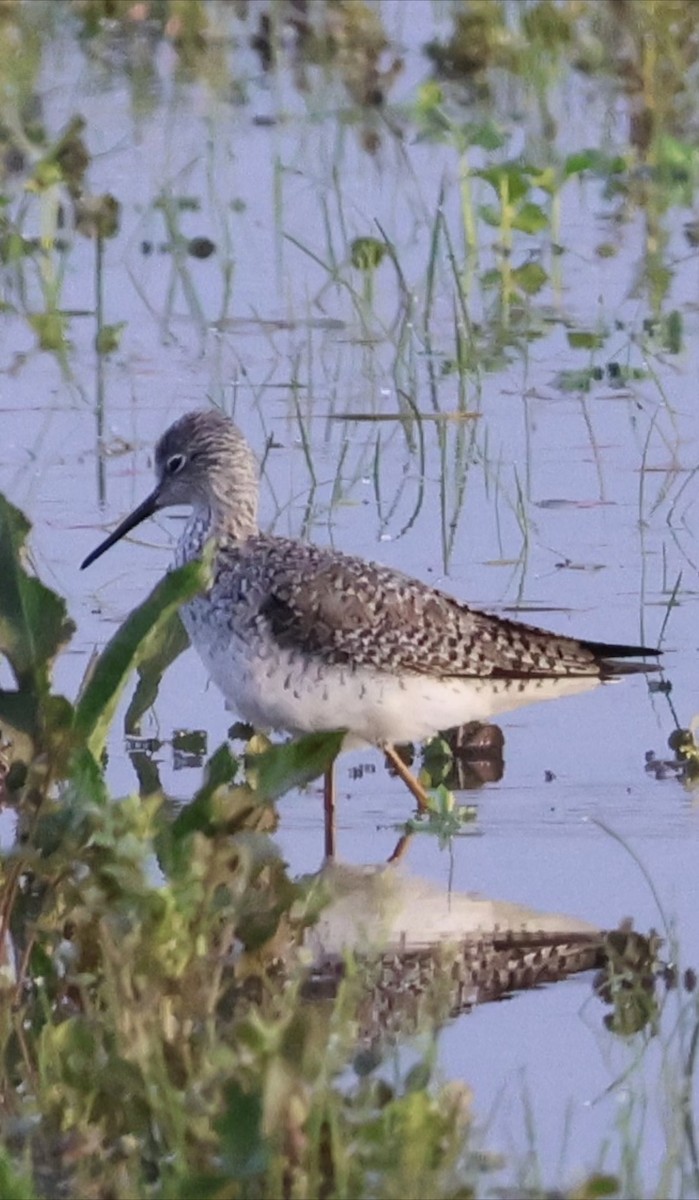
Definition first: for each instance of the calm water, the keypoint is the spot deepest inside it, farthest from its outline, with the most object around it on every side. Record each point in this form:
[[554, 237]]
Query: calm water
[[580, 508]]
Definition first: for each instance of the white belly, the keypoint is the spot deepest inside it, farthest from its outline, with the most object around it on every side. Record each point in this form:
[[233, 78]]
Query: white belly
[[273, 688]]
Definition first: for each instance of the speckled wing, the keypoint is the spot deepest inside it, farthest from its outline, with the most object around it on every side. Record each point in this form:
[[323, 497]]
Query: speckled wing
[[348, 611]]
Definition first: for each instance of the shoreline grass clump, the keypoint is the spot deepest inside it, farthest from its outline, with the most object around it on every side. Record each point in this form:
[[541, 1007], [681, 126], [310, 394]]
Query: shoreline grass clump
[[154, 1037]]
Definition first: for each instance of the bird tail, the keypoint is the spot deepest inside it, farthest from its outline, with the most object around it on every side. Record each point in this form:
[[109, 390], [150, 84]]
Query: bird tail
[[608, 655]]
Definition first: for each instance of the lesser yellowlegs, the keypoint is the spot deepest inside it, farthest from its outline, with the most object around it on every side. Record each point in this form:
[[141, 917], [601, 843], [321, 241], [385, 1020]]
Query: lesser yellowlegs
[[303, 638]]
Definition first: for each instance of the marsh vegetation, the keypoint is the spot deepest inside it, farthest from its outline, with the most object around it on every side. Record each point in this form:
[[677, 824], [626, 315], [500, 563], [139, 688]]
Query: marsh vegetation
[[439, 262]]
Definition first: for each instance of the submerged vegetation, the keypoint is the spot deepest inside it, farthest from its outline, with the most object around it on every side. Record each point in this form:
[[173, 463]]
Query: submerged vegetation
[[162, 1033]]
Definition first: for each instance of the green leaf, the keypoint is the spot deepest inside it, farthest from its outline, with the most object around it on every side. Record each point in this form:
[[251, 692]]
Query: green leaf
[[547, 180], [13, 1185], [530, 277], [598, 1185], [510, 176], [583, 160], [490, 214], [86, 779], [595, 161], [488, 136], [293, 764], [571, 380], [18, 715], [14, 247], [675, 157], [244, 1148], [100, 696], [196, 817], [50, 328], [530, 218], [109, 337], [672, 338], [34, 623], [491, 278], [584, 339], [161, 647], [367, 253], [429, 95]]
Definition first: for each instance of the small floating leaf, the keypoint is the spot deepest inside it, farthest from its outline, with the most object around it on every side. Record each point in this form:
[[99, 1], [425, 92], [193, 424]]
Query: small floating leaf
[[367, 253], [109, 337], [570, 380], [584, 339], [530, 277]]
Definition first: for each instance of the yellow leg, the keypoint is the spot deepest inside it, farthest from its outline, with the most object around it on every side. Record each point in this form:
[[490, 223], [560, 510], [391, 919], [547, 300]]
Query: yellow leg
[[408, 778], [400, 848]]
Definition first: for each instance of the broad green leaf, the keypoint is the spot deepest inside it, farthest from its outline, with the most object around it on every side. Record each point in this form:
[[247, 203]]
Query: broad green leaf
[[96, 706], [34, 623], [162, 646], [547, 179], [596, 161], [86, 779], [512, 177], [491, 278], [531, 218], [488, 136], [582, 160], [293, 764], [244, 1148]]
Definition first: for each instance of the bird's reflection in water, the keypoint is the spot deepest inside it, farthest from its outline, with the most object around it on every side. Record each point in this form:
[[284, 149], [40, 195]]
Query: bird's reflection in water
[[461, 759]]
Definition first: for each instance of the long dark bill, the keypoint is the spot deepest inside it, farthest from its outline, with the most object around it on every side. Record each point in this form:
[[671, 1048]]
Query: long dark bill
[[145, 509]]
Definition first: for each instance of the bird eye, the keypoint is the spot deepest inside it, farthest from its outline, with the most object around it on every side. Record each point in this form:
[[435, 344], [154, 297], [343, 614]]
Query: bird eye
[[175, 463]]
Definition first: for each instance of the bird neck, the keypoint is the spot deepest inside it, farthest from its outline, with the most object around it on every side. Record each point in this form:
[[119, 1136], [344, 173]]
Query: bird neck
[[226, 526], [235, 523]]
